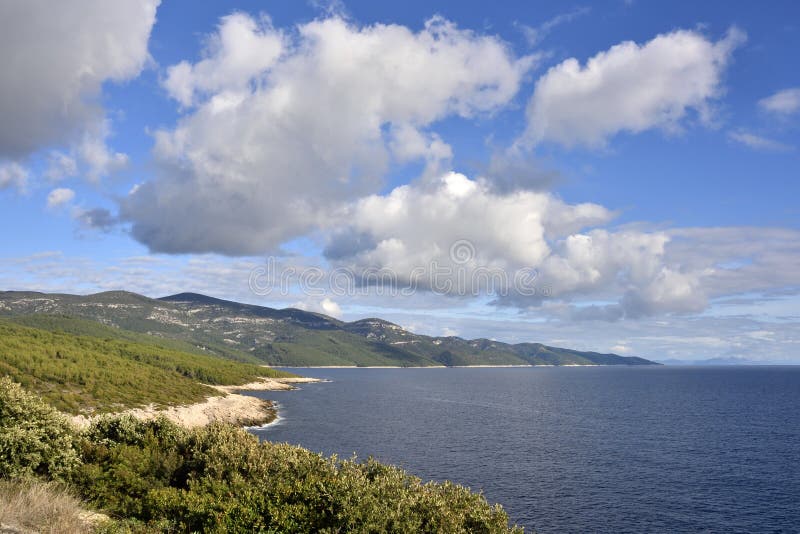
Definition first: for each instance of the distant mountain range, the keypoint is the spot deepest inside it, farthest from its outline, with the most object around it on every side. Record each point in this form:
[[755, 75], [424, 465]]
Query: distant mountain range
[[288, 337]]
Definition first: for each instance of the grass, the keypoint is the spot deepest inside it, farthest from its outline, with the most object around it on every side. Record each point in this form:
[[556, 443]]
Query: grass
[[86, 374], [42, 507]]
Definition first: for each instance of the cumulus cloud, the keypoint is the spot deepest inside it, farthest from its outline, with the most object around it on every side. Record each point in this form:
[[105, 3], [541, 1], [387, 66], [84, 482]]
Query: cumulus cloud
[[461, 237], [409, 144], [278, 142], [59, 197], [758, 142], [56, 56], [785, 102], [241, 51], [13, 174], [417, 224], [629, 87], [459, 227]]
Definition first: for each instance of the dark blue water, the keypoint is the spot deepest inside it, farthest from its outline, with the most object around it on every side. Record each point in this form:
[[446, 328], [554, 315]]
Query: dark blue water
[[605, 449]]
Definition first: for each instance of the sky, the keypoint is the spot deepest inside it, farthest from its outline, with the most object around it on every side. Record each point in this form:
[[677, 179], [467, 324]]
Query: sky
[[612, 176]]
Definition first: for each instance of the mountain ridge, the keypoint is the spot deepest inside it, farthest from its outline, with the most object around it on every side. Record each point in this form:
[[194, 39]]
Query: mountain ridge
[[290, 336]]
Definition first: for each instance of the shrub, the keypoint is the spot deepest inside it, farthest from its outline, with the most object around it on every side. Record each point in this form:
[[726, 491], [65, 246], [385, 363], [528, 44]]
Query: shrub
[[221, 479], [124, 459], [35, 439]]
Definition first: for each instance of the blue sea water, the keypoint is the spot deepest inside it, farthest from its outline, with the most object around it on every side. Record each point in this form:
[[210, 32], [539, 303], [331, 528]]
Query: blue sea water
[[590, 449]]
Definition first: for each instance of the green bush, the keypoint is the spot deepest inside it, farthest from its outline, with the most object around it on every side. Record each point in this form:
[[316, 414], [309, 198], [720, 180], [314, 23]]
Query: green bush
[[35, 439], [221, 479]]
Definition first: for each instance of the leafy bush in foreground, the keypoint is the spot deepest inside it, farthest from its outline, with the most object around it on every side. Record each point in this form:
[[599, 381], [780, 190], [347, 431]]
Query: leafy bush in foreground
[[221, 479], [35, 439]]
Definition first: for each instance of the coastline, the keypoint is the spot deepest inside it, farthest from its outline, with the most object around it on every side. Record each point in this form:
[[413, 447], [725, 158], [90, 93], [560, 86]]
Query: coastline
[[228, 407], [480, 366], [361, 367], [276, 421]]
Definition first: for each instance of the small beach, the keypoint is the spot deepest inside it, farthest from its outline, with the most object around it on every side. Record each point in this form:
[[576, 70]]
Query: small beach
[[228, 407]]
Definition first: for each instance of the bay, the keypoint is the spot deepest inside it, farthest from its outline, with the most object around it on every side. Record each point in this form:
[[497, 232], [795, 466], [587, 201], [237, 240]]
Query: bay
[[579, 449]]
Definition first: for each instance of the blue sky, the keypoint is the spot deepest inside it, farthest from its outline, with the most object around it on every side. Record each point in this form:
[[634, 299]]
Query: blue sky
[[641, 158]]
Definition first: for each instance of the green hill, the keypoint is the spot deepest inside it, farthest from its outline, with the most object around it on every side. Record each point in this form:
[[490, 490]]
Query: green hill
[[81, 367], [287, 337]]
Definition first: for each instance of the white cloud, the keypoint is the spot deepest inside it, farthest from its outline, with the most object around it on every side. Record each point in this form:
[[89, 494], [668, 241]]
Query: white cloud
[[460, 237], [59, 197], [331, 308], [758, 142], [739, 259], [621, 348], [13, 174], [60, 166], [236, 56], [326, 306], [535, 34], [629, 87], [412, 233], [90, 156], [417, 224], [784, 102], [409, 144], [56, 56], [95, 155], [274, 146]]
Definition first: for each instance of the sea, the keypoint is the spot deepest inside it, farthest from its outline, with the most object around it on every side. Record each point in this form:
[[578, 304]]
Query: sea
[[574, 449]]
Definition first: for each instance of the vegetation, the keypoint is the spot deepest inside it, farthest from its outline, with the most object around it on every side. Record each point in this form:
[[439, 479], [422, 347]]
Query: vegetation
[[85, 327], [156, 476], [332, 347], [35, 439], [143, 332], [278, 337], [33, 506], [95, 374]]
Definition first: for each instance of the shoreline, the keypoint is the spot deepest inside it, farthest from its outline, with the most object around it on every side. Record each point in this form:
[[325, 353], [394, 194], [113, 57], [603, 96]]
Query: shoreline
[[275, 422], [228, 407], [361, 367], [481, 366]]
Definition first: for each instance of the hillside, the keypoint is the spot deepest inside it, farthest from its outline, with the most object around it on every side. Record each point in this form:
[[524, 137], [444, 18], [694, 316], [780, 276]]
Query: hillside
[[149, 476], [84, 367], [288, 337]]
